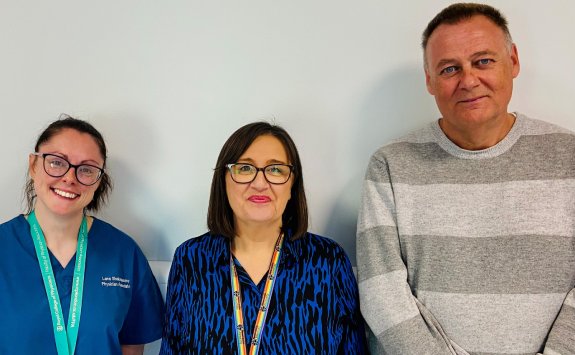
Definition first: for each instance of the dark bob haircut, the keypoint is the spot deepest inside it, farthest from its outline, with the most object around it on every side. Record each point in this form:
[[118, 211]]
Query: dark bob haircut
[[220, 214], [66, 122], [462, 11]]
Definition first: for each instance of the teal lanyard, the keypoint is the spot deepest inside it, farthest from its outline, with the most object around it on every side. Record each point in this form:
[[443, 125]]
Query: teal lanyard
[[66, 337]]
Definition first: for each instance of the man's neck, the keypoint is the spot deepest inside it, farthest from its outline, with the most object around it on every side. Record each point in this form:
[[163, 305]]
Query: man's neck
[[480, 136]]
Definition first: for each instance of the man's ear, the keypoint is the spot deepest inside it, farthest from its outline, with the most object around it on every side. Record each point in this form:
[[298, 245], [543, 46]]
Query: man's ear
[[515, 61], [428, 82]]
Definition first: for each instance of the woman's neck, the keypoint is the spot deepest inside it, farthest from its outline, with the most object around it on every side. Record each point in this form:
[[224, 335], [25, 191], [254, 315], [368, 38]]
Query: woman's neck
[[60, 233], [253, 239], [254, 248]]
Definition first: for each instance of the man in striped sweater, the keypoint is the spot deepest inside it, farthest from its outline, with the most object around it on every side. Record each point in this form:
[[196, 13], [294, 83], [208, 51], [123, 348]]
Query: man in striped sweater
[[466, 233]]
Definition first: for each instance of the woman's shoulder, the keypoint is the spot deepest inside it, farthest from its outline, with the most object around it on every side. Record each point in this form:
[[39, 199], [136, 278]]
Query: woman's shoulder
[[205, 244], [321, 253], [16, 222], [107, 234], [320, 245], [321, 241], [14, 233]]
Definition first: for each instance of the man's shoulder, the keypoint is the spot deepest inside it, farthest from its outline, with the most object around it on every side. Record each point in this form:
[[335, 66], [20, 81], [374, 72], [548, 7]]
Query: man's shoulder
[[425, 134], [532, 126], [424, 138]]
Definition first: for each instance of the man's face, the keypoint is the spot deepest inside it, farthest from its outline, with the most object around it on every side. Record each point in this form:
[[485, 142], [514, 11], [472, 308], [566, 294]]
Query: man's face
[[470, 71]]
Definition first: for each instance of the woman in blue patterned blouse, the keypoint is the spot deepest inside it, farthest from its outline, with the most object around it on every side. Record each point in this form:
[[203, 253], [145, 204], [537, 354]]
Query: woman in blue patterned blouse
[[258, 281]]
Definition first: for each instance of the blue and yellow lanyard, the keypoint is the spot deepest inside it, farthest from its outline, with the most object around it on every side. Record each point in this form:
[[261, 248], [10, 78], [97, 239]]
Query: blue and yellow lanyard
[[65, 336]]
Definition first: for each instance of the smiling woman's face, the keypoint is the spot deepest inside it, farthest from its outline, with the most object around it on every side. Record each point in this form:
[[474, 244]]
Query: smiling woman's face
[[65, 196], [259, 202]]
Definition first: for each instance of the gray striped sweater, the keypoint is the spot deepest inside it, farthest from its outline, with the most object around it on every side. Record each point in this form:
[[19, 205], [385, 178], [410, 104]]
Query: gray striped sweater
[[470, 252]]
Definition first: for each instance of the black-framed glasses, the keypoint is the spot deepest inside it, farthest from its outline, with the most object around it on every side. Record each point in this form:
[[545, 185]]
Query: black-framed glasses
[[56, 166], [244, 173]]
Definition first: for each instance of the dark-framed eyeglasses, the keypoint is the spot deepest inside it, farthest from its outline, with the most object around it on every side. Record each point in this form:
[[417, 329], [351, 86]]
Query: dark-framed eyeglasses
[[56, 166], [244, 173]]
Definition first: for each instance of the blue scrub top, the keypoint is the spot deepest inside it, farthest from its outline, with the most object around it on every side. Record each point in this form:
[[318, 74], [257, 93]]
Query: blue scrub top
[[122, 302]]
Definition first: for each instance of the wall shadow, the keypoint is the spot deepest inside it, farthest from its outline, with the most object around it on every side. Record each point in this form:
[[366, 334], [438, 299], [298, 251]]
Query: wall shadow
[[133, 206], [399, 104]]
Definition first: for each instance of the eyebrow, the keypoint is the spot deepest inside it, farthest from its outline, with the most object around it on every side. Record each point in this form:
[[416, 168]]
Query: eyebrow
[[444, 62], [88, 161], [269, 162], [482, 53]]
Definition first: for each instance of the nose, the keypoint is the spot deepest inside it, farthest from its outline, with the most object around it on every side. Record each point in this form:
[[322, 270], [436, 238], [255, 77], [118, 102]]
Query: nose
[[70, 175], [260, 181], [469, 78]]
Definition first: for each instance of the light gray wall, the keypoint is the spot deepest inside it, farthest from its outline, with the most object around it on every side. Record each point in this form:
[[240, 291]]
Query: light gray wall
[[168, 81]]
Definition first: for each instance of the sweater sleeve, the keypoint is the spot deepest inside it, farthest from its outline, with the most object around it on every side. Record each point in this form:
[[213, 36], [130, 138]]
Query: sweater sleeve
[[397, 323], [561, 339]]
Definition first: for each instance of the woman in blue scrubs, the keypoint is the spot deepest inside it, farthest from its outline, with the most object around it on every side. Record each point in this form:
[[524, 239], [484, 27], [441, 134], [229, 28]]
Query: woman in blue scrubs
[[258, 280], [69, 282]]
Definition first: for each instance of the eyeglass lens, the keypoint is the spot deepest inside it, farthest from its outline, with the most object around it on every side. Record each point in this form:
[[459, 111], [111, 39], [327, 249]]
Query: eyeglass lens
[[274, 174], [56, 166]]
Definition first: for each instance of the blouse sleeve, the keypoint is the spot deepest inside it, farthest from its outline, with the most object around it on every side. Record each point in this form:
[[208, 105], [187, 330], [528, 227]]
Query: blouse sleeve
[[350, 321], [176, 331]]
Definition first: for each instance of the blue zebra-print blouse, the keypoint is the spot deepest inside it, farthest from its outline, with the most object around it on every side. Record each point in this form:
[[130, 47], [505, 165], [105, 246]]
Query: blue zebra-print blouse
[[314, 307]]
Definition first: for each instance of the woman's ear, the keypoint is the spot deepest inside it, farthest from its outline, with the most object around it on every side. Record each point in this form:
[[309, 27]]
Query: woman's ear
[[32, 165]]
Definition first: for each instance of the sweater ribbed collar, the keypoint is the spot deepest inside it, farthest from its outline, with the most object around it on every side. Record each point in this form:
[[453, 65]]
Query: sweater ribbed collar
[[503, 146]]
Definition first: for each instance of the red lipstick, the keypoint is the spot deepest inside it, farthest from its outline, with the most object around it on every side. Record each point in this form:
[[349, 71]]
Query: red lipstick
[[259, 199]]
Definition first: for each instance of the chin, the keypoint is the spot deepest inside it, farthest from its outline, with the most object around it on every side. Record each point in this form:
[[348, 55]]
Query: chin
[[477, 115], [63, 211], [262, 219]]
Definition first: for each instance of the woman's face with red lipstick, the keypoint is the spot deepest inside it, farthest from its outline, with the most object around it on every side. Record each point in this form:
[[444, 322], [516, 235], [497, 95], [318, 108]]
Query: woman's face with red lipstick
[[65, 196], [260, 202]]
